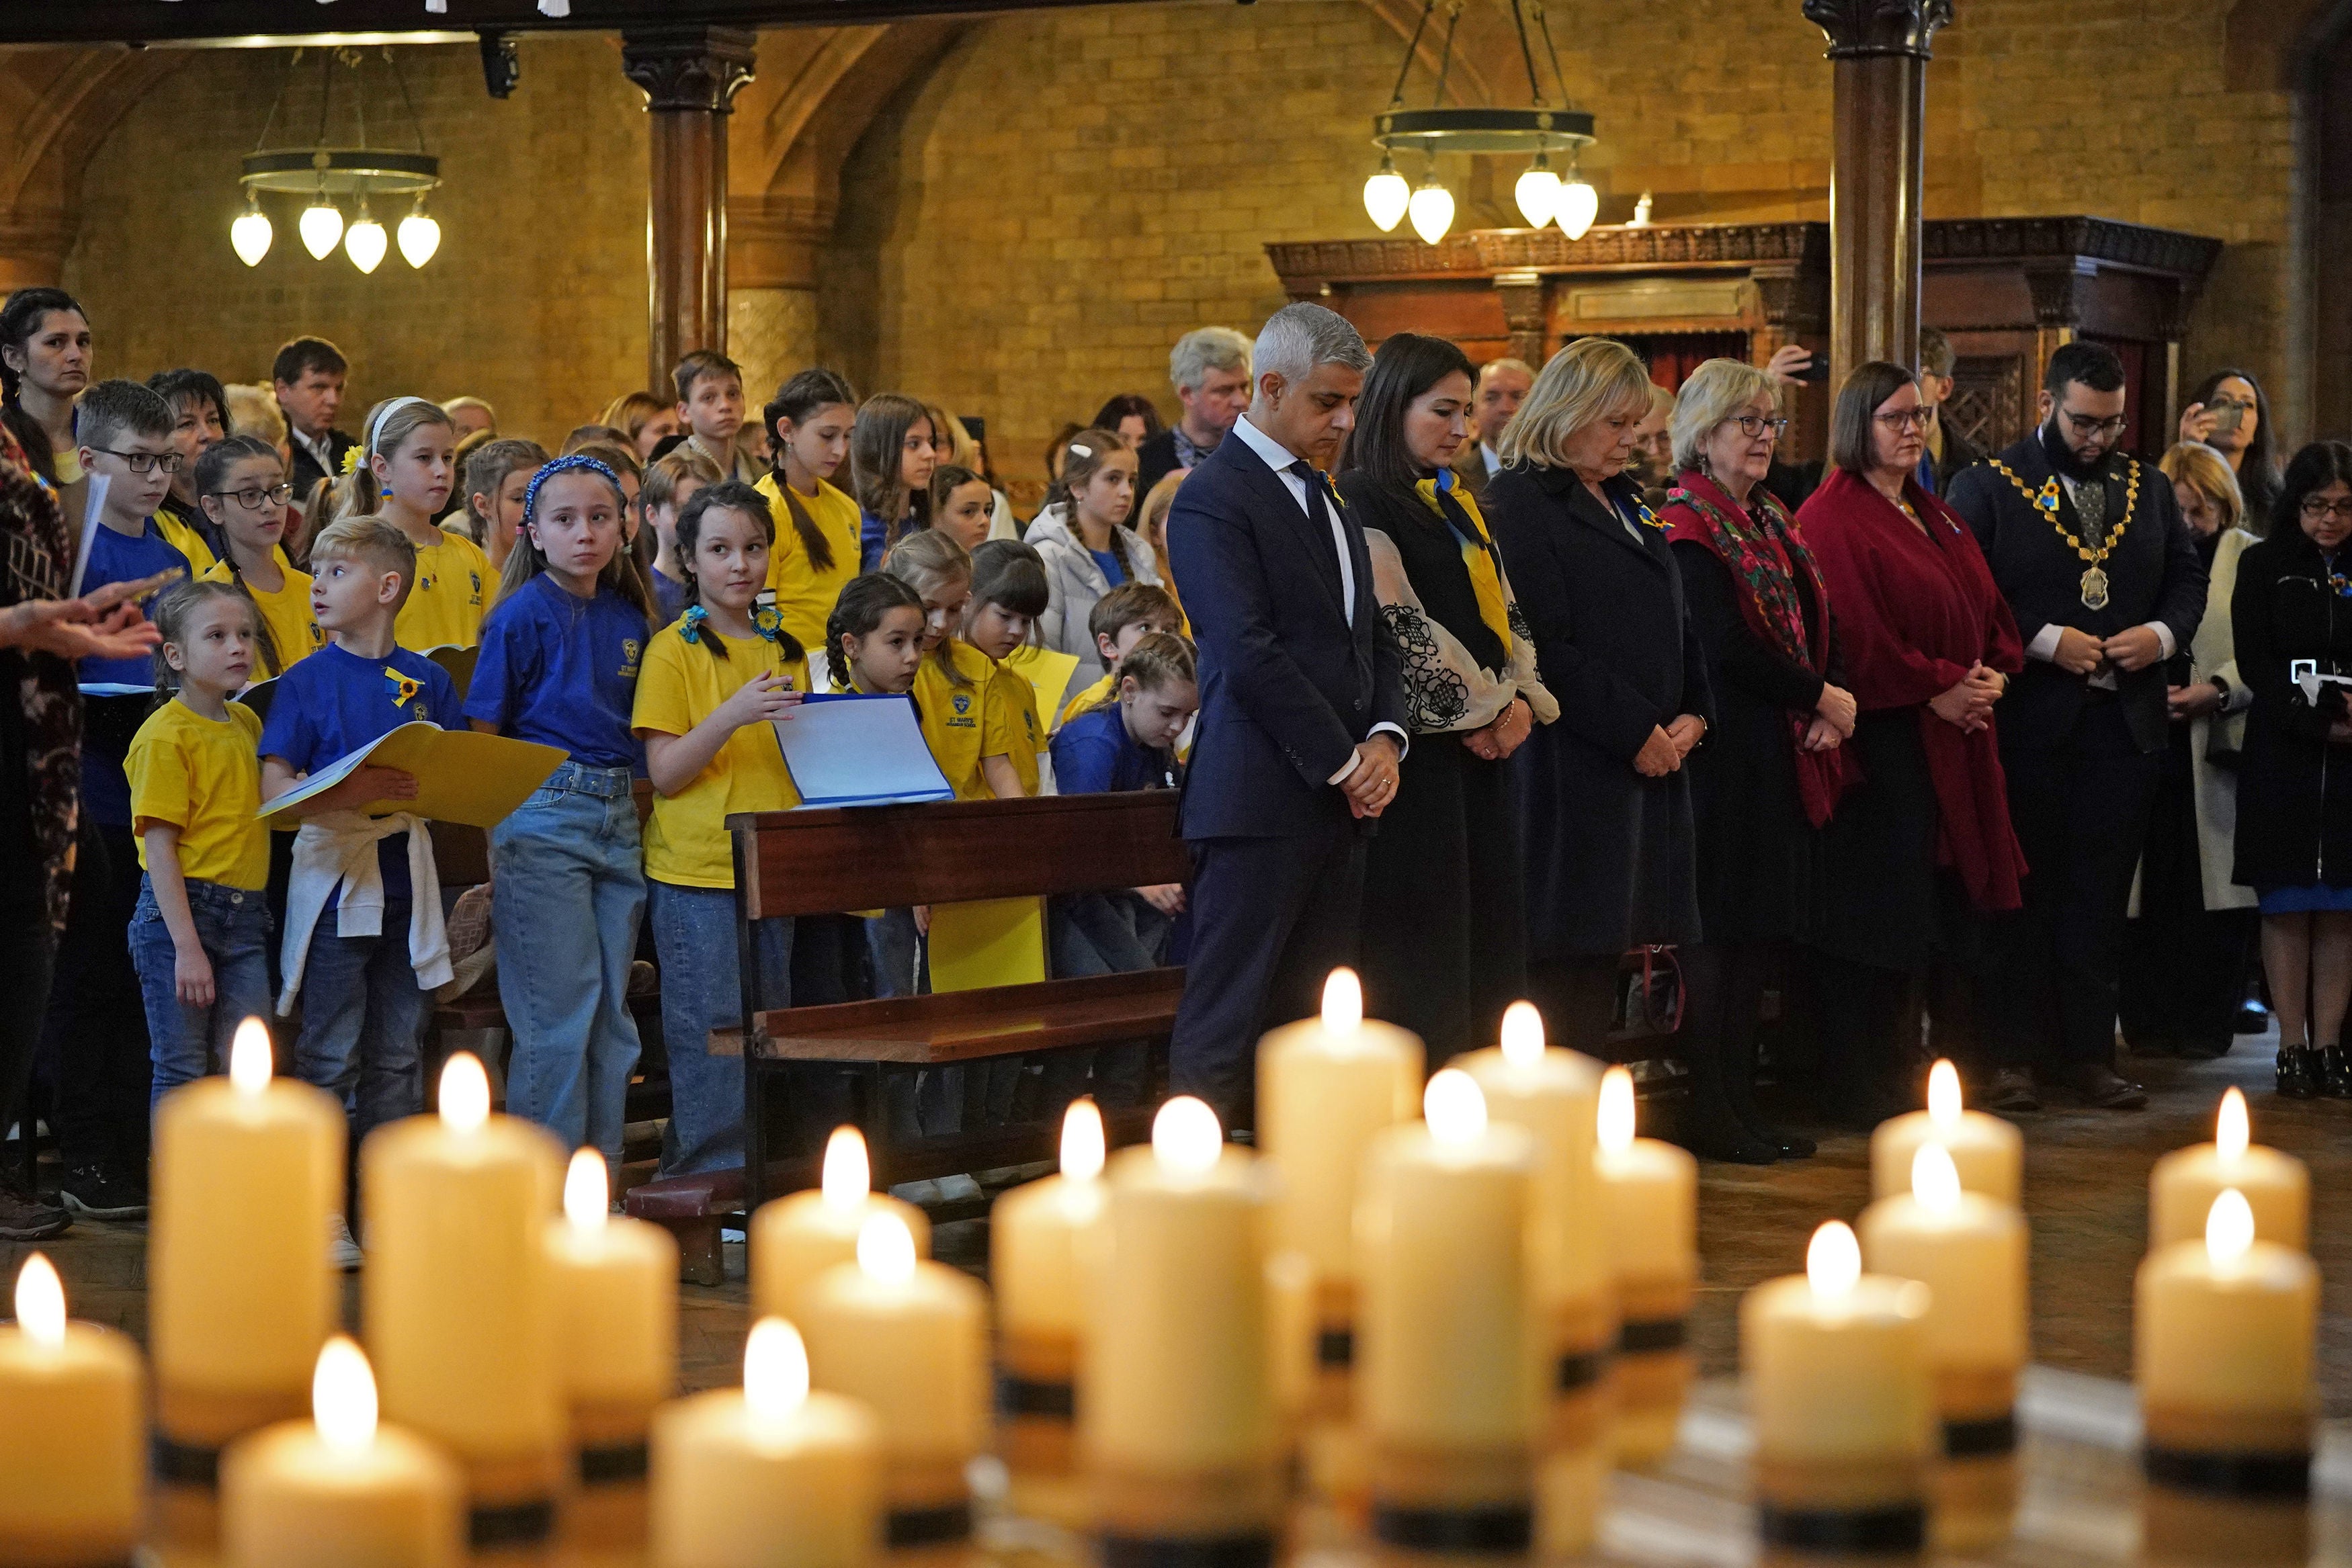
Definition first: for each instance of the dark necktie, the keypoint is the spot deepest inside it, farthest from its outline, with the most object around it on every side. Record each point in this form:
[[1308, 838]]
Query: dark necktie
[[1319, 511]]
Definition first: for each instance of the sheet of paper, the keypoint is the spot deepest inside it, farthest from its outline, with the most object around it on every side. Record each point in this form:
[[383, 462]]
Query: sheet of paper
[[1049, 673], [462, 776], [846, 750]]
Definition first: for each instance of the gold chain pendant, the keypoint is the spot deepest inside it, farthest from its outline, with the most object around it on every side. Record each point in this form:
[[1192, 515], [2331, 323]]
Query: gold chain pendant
[[2094, 590]]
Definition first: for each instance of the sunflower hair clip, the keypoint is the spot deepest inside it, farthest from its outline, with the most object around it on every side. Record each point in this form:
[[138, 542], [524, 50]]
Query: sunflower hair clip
[[351, 458], [689, 626], [767, 622]]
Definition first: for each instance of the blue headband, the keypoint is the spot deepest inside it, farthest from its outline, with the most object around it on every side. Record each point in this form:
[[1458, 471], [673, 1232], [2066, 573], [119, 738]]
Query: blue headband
[[578, 460]]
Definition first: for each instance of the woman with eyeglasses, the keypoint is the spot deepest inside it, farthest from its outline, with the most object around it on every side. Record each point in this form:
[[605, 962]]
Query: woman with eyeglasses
[[1776, 765], [1919, 852], [2292, 617], [2230, 413]]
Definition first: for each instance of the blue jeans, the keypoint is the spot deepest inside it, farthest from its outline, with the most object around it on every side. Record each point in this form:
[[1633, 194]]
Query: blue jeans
[[364, 1021], [232, 925], [914, 1104], [694, 941], [569, 889]]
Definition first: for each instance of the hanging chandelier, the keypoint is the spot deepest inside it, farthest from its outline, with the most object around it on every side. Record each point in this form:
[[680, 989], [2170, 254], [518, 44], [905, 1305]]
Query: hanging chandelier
[[1544, 195], [329, 175]]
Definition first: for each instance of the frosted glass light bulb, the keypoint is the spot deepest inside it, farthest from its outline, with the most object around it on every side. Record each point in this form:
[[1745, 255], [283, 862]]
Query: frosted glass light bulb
[[1386, 196], [1432, 210], [365, 242], [420, 236], [250, 236], [1578, 205], [1539, 194], [321, 227]]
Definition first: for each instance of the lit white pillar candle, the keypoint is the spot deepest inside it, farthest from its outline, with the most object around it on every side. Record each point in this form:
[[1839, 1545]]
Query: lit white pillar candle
[[909, 1339], [769, 1475], [1970, 1250], [73, 1438], [2223, 1348], [1035, 1238], [797, 1238], [339, 1488], [249, 1171], [1989, 1152], [615, 1285], [1450, 1384], [1178, 1427], [459, 1313], [1839, 1391], [1325, 1086], [2184, 1184], [1650, 1200]]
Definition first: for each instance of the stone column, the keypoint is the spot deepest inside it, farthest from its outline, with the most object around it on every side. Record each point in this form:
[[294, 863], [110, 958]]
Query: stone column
[[1878, 49], [772, 254], [689, 76]]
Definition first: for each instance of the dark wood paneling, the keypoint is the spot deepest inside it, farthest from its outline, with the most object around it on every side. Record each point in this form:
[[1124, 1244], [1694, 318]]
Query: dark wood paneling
[[967, 1026], [1469, 312]]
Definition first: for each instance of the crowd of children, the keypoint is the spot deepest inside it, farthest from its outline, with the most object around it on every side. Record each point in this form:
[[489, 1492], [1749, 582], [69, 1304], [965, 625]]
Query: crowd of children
[[653, 600]]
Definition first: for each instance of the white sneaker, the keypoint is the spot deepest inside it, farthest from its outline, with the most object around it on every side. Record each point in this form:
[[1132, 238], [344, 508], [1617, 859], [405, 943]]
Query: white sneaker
[[918, 1193], [959, 1189], [341, 1250]]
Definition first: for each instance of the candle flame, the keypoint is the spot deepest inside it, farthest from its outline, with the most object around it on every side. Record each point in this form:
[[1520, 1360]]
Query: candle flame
[[2229, 1227], [1833, 1260], [1082, 1141], [1343, 1002], [1523, 1035], [41, 1301], [464, 1094], [248, 1057], [1616, 1119], [342, 1395], [775, 1369], [848, 1177], [1454, 1107], [1186, 1136], [1935, 1179], [587, 1203], [1943, 1095], [886, 1249], [2230, 1132]]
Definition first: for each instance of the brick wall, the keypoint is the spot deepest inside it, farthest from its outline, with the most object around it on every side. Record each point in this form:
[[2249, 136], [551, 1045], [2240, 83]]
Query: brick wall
[[536, 300]]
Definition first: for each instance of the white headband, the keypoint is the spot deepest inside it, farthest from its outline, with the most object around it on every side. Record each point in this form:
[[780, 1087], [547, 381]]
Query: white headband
[[375, 425]]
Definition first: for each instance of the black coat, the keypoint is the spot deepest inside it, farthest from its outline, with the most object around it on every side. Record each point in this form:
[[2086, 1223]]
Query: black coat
[[2295, 788], [1154, 461], [1961, 454], [2153, 574], [1758, 855], [1611, 856]]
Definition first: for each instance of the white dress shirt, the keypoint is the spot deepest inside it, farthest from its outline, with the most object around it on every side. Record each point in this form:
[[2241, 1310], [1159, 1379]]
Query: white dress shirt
[[1486, 455], [2045, 646], [1280, 458]]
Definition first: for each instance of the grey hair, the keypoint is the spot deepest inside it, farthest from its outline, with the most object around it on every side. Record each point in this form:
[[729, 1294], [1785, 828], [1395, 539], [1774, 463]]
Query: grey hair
[[1506, 363], [1298, 338], [1711, 393], [1206, 349]]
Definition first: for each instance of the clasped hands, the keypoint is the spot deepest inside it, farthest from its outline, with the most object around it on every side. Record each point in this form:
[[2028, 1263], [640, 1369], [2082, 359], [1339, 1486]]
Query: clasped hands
[[2080, 654], [1668, 744], [1968, 705], [1372, 784], [1832, 724], [1497, 739]]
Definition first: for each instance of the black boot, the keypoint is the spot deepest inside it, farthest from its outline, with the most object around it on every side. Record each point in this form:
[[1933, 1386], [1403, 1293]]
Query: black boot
[[2298, 1072], [2336, 1072]]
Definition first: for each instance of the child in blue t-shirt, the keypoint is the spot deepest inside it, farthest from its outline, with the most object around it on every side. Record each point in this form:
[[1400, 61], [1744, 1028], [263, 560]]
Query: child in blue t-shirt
[[96, 1024], [1125, 742], [364, 944], [558, 665]]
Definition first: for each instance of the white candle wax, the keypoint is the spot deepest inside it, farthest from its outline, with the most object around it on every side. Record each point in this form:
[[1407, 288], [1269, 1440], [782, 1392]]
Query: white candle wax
[[797, 1238], [1989, 1152], [2184, 1184]]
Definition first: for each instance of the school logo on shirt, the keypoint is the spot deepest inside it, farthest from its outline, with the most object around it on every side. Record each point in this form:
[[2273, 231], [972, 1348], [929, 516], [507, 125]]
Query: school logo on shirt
[[629, 653], [962, 702], [475, 578], [318, 637]]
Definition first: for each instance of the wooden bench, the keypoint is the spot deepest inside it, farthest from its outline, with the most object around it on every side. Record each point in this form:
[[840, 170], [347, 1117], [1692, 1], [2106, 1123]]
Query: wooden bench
[[836, 860]]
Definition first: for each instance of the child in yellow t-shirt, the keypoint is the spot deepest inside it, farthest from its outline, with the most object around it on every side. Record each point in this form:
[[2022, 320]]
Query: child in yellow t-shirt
[[200, 932], [1119, 619], [967, 721], [408, 465], [711, 683], [817, 525], [241, 484], [1008, 591]]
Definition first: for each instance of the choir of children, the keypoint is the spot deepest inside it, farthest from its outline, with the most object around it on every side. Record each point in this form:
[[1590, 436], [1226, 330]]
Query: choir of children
[[671, 666]]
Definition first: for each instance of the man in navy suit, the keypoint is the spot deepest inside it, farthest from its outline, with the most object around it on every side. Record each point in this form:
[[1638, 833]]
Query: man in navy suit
[[1302, 707]]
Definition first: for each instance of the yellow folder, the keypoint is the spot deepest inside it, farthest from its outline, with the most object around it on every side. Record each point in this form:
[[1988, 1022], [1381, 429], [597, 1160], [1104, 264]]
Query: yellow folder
[[992, 942], [462, 775], [1049, 673]]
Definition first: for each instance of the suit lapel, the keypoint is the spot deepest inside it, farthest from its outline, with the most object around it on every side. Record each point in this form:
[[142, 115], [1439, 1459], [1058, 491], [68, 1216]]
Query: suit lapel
[[1310, 532], [1605, 521]]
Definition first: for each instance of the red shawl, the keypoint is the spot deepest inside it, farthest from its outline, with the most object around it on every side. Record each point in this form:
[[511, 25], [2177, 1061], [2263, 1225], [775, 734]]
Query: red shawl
[[1914, 613], [1765, 558]]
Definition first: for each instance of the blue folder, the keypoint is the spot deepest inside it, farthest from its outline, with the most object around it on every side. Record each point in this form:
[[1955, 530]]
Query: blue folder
[[845, 749]]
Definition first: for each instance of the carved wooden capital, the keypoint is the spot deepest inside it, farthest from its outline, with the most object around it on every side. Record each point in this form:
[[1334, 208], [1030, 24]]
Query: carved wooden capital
[[2055, 298], [688, 67], [1862, 28]]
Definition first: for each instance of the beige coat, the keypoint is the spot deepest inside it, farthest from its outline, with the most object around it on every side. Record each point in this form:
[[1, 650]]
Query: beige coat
[[2213, 652]]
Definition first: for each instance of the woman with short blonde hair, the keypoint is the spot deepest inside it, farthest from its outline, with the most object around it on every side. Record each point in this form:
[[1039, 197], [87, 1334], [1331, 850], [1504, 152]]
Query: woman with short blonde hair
[[1604, 808]]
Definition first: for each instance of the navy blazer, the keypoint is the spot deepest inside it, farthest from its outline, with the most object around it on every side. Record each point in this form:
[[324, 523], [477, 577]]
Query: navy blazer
[[1290, 682]]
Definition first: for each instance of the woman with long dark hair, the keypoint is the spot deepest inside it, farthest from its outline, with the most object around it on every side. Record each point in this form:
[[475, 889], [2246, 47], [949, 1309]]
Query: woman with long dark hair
[[1920, 850], [1444, 923], [44, 365], [2230, 413], [2291, 615]]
